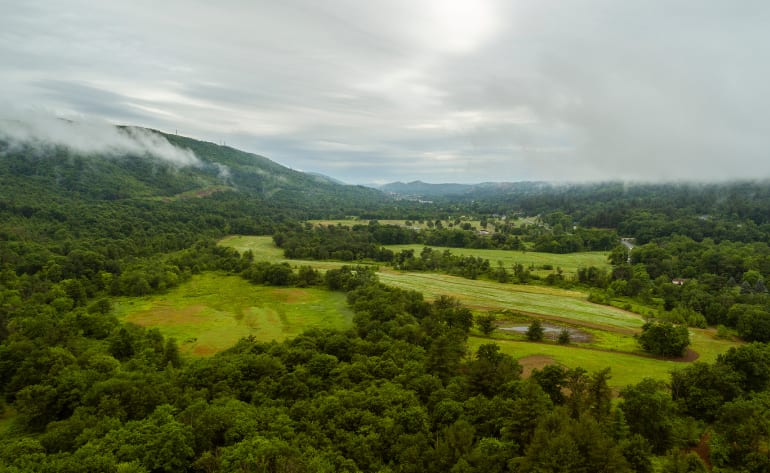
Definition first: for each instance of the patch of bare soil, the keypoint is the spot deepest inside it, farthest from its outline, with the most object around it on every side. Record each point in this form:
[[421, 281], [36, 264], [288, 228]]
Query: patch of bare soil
[[689, 356], [204, 350], [293, 296], [529, 363]]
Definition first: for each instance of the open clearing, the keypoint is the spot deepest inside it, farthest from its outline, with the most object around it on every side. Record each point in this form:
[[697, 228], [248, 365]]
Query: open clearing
[[265, 250], [612, 329], [569, 262], [626, 368], [554, 303], [211, 312]]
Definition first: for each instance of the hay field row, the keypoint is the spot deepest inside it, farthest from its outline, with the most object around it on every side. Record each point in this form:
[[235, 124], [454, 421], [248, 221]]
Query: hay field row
[[489, 295]]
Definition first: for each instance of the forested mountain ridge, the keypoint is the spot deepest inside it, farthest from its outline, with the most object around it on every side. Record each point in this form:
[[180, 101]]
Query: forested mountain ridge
[[31, 169]]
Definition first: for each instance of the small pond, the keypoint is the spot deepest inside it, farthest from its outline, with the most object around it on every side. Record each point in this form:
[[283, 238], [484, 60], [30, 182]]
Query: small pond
[[550, 331]]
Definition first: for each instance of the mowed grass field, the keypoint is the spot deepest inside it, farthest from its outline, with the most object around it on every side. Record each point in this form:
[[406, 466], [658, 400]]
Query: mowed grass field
[[265, 250], [212, 311], [569, 263], [476, 294], [490, 295], [612, 328], [262, 246], [626, 368]]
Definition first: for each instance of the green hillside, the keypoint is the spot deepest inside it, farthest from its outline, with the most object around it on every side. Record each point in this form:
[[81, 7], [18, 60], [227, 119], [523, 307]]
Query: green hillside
[[29, 171]]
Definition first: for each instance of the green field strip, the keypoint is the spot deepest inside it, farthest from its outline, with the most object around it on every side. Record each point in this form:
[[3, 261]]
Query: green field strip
[[626, 368], [264, 249], [489, 295], [568, 262], [708, 347], [605, 323]]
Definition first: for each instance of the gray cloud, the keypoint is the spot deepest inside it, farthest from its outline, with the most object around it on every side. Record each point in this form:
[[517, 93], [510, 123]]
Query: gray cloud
[[439, 90], [41, 130]]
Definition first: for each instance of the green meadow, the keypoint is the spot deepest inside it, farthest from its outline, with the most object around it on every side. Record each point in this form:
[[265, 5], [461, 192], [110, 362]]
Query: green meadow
[[212, 311], [620, 352], [626, 368], [541, 300], [611, 328], [262, 246], [265, 250], [705, 343], [569, 262]]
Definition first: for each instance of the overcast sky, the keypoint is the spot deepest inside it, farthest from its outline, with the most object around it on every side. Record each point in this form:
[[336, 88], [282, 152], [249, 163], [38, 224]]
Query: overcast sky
[[442, 91]]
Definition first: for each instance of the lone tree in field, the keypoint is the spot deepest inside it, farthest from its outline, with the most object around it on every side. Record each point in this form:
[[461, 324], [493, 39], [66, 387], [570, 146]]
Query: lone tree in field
[[486, 323], [564, 336], [535, 331], [664, 339]]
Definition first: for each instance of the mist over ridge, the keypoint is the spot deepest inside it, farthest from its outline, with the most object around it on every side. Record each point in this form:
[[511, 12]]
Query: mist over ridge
[[90, 136]]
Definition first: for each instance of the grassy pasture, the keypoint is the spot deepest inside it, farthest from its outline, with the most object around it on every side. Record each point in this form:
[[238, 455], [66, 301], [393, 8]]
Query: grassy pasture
[[612, 328], [626, 368], [265, 250], [262, 246], [569, 262], [489, 295], [705, 343], [213, 311]]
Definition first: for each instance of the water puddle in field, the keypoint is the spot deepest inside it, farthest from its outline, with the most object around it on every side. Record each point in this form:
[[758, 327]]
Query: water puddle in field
[[551, 332]]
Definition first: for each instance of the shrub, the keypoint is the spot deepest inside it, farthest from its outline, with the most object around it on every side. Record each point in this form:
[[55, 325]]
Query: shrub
[[664, 338], [535, 331]]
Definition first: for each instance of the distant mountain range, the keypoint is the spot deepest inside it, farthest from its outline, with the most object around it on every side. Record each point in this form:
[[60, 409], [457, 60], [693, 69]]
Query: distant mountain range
[[419, 189]]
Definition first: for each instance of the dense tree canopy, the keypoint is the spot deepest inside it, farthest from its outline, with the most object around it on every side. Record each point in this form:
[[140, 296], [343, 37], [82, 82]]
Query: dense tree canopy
[[399, 391]]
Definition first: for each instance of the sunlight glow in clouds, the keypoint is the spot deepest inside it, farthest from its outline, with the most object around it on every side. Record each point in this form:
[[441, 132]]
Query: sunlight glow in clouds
[[376, 90], [463, 25]]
